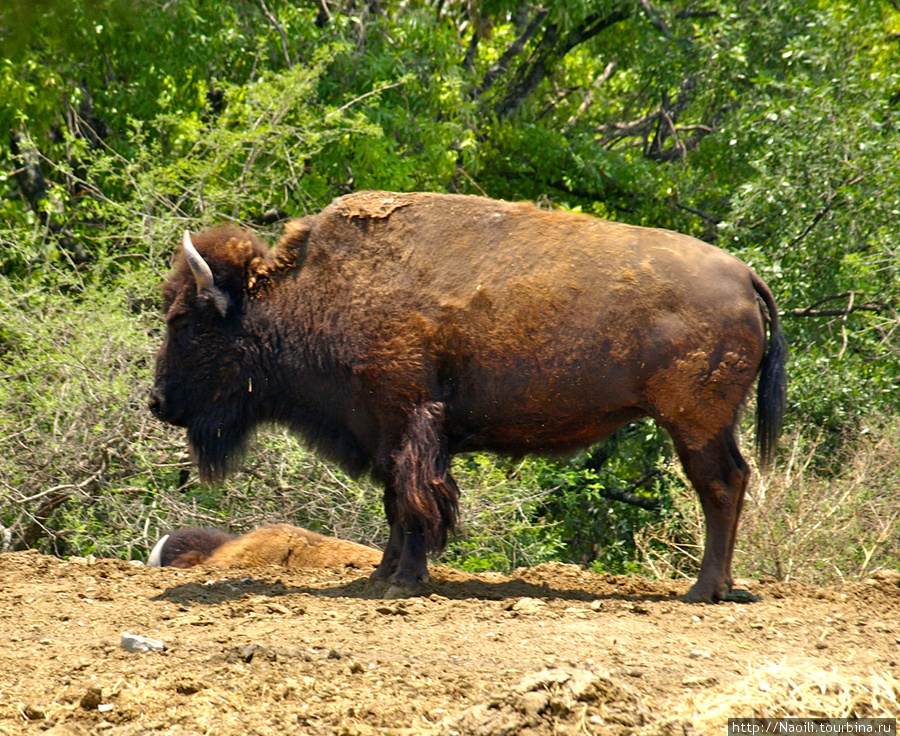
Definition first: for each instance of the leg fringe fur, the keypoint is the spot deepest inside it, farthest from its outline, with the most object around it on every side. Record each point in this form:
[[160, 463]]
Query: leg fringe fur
[[427, 495]]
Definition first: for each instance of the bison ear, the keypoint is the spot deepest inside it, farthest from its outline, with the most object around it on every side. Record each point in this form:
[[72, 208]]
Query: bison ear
[[207, 291], [217, 298]]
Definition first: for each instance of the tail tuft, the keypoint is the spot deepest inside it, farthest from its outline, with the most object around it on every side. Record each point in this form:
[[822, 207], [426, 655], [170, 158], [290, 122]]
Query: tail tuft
[[771, 392]]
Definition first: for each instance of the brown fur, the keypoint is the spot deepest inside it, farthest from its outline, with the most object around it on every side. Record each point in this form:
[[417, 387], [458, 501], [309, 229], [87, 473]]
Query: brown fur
[[293, 547], [395, 330]]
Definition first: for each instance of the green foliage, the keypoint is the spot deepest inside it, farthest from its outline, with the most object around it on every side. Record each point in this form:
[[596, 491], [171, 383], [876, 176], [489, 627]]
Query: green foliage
[[596, 529], [72, 422], [500, 526], [769, 127]]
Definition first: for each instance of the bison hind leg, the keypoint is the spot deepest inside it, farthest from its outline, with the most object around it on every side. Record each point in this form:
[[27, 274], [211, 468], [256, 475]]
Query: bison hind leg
[[421, 497], [719, 474]]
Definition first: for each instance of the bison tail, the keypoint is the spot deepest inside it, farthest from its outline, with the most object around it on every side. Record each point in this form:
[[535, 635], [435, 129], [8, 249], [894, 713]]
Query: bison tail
[[771, 392], [427, 495]]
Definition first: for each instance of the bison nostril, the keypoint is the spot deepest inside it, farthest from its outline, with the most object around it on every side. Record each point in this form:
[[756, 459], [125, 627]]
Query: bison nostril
[[155, 403]]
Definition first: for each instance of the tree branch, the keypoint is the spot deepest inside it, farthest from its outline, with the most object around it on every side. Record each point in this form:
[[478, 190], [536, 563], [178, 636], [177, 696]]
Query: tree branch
[[641, 127], [656, 19], [815, 221], [469, 60], [687, 14], [274, 22], [712, 219], [852, 306], [515, 48], [665, 125], [632, 499], [549, 51], [29, 175], [589, 95]]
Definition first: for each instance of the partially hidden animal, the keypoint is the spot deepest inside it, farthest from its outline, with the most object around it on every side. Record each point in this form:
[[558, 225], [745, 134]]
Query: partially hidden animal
[[276, 544], [187, 547], [391, 331]]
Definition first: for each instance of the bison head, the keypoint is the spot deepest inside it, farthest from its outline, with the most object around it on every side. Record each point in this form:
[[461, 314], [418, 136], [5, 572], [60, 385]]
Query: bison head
[[206, 366]]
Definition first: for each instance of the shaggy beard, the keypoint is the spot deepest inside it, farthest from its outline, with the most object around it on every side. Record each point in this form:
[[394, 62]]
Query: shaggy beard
[[217, 448]]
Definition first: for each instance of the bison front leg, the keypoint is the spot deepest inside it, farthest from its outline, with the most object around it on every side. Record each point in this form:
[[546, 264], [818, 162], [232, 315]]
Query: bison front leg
[[394, 550], [719, 474], [421, 499]]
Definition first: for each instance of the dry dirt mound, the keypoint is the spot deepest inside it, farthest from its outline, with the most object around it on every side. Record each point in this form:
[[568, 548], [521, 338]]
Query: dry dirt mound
[[553, 650]]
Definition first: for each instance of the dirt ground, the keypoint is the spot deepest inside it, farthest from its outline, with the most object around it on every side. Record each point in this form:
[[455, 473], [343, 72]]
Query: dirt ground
[[549, 651]]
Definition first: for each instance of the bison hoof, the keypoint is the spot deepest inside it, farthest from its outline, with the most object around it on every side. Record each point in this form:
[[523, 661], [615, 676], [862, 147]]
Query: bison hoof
[[706, 594], [410, 579], [398, 592], [382, 574], [736, 595]]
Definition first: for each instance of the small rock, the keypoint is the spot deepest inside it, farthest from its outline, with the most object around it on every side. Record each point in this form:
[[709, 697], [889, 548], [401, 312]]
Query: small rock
[[66, 729], [543, 679], [821, 645], [528, 605], [699, 681], [135, 643], [241, 654], [33, 713], [92, 698], [534, 703], [391, 610], [187, 685], [700, 654], [278, 608], [887, 576]]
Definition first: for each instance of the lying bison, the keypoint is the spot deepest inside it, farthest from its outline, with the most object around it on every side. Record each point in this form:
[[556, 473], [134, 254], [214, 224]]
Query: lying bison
[[289, 546], [392, 331], [187, 547]]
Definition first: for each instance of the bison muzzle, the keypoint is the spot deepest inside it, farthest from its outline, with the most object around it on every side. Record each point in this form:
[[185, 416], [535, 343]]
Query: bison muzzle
[[391, 331]]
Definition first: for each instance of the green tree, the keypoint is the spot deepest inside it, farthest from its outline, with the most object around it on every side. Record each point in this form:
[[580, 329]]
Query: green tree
[[769, 127]]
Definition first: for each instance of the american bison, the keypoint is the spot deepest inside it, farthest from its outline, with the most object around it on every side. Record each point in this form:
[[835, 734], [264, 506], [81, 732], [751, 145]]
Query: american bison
[[275, 544], [187, 547], [391, 331]]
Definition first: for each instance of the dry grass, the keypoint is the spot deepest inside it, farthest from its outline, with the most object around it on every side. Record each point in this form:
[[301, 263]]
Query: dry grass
[[779, 690], [801, 521]]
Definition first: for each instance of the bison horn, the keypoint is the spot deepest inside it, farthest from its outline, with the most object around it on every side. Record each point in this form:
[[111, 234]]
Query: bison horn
[[200, 268]]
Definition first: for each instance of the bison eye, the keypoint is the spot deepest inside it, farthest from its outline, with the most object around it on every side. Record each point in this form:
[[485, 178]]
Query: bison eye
[[177, 322], [182, 336], [179, 329]]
